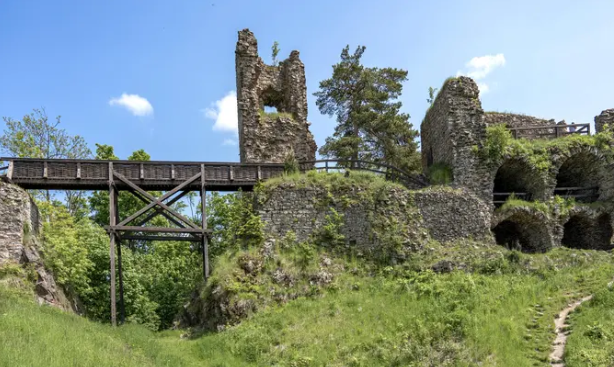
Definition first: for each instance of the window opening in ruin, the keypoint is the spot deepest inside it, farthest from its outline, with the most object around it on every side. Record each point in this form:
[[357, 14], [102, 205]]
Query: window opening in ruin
[[578, 178], [512, 178], [271, 101], [584, 233], [269, 109]]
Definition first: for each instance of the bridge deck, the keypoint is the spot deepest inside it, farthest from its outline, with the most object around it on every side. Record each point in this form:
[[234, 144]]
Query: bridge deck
[[64, 174]]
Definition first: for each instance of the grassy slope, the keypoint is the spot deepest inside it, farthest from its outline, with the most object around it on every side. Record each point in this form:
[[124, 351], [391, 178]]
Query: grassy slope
[[500, 315], [591, 342]]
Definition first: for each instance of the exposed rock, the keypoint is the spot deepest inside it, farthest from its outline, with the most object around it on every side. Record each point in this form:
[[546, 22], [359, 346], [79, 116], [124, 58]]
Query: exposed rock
[[19, 229], [265, 138]]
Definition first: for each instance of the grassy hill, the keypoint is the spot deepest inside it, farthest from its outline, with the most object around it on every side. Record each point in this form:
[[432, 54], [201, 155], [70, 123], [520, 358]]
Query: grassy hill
[[497, 311]]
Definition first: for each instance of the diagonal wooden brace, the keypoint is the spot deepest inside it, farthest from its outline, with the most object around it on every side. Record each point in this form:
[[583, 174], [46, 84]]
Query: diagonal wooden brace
[[158, 211], [157, 201]]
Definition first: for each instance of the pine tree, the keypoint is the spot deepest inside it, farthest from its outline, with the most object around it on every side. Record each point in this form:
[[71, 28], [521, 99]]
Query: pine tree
[[370, 125]]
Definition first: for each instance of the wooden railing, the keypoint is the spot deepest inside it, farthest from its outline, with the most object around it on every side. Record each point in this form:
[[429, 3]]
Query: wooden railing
[[581, 194], [390, 173], [67, 174], [549, 131]]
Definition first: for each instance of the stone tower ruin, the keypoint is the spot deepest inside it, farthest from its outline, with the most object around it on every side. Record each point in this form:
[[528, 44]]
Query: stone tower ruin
[[269, 137]]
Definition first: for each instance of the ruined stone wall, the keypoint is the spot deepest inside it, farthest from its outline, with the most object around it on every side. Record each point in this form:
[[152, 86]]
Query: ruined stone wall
[[605, 117], [372, 223], [20, 228], [515, 120], [265, 138], [451, 130], [451, 214]]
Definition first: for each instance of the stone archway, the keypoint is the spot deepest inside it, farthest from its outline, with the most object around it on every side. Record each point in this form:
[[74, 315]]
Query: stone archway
[[524, 231], [516, 177], [584, 232], [579, 177]]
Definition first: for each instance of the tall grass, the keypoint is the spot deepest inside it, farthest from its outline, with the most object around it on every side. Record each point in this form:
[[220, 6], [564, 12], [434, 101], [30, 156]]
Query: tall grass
[[500, 314]]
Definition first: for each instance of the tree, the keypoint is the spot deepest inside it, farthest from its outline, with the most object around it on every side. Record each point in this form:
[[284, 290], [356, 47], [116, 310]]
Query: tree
[[36, 137], [275, 51], [431, 98], [370, 125]]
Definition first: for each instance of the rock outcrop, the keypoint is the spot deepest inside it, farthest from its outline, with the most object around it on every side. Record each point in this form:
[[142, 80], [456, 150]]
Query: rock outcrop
[[20, 227]]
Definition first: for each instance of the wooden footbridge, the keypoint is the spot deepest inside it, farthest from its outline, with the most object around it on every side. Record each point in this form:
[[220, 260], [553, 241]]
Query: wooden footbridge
[[175, 179]]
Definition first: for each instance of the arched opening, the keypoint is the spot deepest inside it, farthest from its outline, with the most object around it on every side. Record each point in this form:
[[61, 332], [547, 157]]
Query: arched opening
[[508, 234], [578, 178], [583, 232], [526, 234], [514, 176]]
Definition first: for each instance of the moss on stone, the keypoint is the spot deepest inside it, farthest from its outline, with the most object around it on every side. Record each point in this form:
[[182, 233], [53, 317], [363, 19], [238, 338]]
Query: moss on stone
[[539, 153]]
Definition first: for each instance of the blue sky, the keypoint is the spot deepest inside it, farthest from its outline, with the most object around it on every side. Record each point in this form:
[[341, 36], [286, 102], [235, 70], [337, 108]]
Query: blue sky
[[551, 59]]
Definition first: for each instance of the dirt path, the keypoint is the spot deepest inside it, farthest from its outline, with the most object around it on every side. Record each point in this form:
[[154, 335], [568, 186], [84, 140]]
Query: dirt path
[[560, 323]]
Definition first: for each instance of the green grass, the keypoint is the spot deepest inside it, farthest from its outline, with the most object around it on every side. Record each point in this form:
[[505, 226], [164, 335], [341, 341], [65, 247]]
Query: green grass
[[331, 181], [499, 312], [591, 342]]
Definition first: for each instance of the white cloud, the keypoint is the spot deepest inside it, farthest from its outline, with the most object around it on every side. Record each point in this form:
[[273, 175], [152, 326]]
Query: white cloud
[[484, 88], [480, 66], [230, 142], [134, 103], [224, 112]]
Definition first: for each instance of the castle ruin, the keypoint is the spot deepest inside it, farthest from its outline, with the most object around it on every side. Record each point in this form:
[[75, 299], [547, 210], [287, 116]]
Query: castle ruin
[[269, 138]]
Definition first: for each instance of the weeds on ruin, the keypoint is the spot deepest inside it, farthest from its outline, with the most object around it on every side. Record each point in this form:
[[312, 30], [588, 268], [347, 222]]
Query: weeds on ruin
[[500, 144]]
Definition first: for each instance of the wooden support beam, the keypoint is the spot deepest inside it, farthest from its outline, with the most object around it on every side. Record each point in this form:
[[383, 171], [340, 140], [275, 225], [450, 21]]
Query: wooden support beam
[[157, 201], [78, 170], [231, 173], [172, 171], [190, 238], [203, 216], [161, 211], [122, 305], [259, 174], [157, 211], [45, 170], [9, 173], [112, 219], [118, 228], [142, 172]]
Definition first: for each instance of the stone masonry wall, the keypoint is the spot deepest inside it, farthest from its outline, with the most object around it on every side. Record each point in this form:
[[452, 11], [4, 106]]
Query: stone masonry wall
[[369, 224], [453, 214], [605, 117], [452, 127], [263, 138], [19, 244]]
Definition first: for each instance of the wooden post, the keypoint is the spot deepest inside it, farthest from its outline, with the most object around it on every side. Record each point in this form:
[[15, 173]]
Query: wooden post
[[142, 172], [45, 170], [231, 173], [112, 223], [122, 305], [78, 170], [9, 173], [172, 171], [259, 174], [205, 237], [326, 164]]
